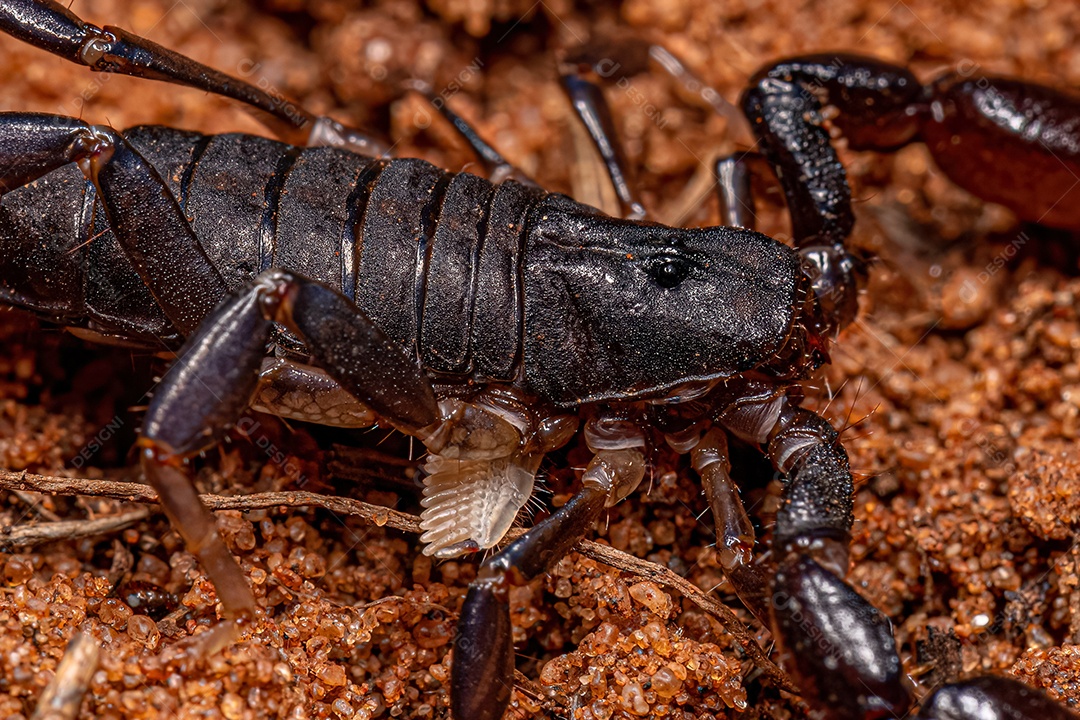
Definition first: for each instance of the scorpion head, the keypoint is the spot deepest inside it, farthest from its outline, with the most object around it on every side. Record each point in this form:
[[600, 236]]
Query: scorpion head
[[618, 310]]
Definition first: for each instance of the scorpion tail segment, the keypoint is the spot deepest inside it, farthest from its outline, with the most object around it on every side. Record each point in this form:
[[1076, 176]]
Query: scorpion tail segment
[[786, 118], [482, 673], [355, 352], [838, 647], [992, 698]]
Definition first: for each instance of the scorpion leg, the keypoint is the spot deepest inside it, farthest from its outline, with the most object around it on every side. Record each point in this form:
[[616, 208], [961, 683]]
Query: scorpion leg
[[734, 532], [48, 25], [32, 145], [592, 109], [482, 674], [297, 391], [497, 168], [837, 646], [217, 374], [733, 173]]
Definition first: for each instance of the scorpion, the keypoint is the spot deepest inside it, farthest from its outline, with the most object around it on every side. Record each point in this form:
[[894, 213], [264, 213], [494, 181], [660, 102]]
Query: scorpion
[[323, 281]]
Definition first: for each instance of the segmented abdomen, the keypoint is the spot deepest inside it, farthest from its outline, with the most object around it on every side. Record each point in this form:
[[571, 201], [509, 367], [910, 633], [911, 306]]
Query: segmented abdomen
[[432, 257]]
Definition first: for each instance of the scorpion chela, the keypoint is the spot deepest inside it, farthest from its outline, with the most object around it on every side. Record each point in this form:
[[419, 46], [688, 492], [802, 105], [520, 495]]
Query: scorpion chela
[[325, 282]]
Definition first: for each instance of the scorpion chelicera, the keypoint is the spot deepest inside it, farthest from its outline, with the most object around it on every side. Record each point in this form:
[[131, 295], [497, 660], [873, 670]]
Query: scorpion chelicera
[[324, 282]]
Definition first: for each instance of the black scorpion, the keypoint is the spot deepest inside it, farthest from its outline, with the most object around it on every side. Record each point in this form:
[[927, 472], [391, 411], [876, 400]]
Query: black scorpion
[[478, 318]]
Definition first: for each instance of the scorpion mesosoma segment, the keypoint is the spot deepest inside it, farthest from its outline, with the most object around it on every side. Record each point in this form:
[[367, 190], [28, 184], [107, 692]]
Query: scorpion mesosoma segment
[[478, 318]]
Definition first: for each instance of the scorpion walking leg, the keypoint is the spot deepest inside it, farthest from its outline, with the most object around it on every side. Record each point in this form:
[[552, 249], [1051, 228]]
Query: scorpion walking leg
[[217, 374], [837, 646], [592, 109], [482, 674], [733, 173], [293, 390], [51, 26], [734, 532], [32, 145], [497, 168]]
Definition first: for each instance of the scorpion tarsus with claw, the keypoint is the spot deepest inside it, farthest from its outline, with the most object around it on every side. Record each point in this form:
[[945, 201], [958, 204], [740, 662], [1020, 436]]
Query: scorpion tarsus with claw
[[321, 283]]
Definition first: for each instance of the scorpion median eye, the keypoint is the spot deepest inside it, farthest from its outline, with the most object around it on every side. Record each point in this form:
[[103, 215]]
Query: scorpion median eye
[[669, 272]]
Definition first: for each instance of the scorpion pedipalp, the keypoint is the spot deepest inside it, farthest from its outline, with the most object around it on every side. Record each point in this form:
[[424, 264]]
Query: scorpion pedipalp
[[991, 698], [839, 647]]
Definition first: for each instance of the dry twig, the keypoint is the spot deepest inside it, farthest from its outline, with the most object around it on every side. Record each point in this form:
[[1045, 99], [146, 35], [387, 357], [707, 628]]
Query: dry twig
[[386, 517], [22, 536]]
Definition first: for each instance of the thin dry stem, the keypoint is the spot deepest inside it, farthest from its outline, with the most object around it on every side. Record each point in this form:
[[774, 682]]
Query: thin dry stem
[[23, 536], [386, 517]]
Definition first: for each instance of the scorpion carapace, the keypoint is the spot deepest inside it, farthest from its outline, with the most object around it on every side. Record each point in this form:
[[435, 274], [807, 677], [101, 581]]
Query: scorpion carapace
[[629, 310], [475, 317]]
